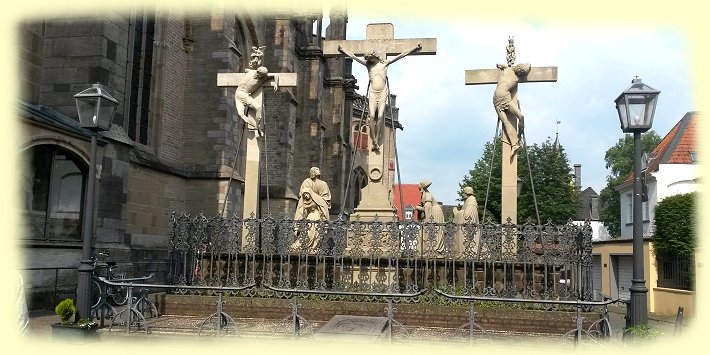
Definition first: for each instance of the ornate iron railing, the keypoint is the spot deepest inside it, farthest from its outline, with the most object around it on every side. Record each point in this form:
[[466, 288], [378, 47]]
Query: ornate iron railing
[[494, 260]]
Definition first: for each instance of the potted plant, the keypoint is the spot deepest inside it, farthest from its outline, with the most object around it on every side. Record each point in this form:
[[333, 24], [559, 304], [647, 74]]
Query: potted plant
[[83, 330]]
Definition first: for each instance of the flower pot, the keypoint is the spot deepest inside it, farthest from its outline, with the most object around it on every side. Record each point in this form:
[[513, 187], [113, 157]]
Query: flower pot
[[73, 333]]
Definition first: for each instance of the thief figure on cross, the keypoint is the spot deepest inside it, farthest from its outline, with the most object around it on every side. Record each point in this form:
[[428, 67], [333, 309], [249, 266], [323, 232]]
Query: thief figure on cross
[[505, 98], [378, 92], [248, 94]]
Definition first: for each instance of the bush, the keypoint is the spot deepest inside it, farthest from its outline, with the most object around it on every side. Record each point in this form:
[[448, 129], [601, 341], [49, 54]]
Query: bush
[[65, 310], [675, 225], [641, 333]]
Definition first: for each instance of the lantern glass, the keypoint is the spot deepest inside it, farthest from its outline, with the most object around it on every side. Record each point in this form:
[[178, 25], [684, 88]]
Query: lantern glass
[[96, 108], [636, 107]]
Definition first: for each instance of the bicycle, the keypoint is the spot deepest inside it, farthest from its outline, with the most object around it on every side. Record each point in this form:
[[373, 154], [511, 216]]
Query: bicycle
[[101, 293]]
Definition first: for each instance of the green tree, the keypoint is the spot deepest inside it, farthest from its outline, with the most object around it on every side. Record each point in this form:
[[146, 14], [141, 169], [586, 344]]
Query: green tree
[[557, 200], [478, 179], [675, 225], [620, 161], [551, 176]]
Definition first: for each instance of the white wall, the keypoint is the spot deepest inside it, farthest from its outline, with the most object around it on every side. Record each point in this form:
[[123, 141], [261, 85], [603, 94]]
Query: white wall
[[599, 232], [674, 179], [670, 179]]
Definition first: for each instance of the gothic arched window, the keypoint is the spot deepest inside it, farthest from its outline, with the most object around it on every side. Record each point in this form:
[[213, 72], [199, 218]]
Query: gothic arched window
[[53, 184]]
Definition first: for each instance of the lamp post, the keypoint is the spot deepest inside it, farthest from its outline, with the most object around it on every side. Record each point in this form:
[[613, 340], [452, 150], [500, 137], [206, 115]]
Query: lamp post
[[636, 107], [96, 108]]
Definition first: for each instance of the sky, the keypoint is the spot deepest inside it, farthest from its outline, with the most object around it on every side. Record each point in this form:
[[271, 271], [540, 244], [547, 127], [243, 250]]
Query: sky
[[447, 123]]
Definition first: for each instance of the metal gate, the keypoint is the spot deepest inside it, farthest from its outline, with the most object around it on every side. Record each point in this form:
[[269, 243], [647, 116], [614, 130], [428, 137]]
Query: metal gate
[[525, 261]]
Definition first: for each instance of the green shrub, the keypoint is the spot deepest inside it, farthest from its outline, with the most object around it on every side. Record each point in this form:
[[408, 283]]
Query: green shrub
[[65, 310], [641, 332], [675, 225]]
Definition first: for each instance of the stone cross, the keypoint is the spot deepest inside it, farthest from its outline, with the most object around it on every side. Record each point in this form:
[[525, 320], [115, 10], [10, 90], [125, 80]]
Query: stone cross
[[376, 199], [251, 174], [509, 196]]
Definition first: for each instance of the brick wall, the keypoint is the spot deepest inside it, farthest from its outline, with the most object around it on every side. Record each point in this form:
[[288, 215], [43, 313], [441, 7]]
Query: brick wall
[[494, 319], [81, 51], [168, 94]]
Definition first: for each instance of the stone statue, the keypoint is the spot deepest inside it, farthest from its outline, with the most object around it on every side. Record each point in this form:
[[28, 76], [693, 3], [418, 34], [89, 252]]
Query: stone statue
[[248, 94], [505, 101], [430, 211], [378, 92], [468, 214], [313, 205], [510, 52]]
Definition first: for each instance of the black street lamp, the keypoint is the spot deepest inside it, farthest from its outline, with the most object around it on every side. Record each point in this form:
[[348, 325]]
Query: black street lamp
[[636, 106], [96, 108]]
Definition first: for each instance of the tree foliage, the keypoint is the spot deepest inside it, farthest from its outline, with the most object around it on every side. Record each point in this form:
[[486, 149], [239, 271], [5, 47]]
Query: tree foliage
[[557, 200], [675, 224], [620, 161], [488, 205], [551, 178]]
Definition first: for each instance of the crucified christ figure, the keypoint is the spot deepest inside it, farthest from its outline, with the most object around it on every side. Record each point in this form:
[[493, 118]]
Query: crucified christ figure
[[378, 93]]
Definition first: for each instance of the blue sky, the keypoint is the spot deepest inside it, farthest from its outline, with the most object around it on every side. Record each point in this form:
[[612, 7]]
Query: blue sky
[[447, 123]]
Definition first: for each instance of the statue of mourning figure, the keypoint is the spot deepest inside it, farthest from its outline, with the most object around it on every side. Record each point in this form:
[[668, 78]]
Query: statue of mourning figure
[[466, 220], [430, 211], [313, 206]]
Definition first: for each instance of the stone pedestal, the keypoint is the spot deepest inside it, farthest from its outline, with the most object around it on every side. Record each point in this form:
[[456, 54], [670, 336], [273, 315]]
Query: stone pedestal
[[251, 181], [376, 200], [509, 185]]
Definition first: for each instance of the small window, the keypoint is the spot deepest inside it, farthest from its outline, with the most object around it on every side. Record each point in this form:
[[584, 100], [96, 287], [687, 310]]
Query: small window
[[630, 202], [693, 157], [360, 136]]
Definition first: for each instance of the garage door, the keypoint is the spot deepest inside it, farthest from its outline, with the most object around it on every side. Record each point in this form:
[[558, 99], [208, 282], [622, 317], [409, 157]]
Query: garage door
[[626, 271], [596, 276]]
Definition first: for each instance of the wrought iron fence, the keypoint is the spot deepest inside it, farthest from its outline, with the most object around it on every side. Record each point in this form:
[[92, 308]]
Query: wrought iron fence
[[494, 260], [676, 271]]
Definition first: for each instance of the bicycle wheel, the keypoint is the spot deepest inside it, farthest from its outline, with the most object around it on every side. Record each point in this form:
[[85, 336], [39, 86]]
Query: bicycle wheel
[[95, 294], [119, 295]]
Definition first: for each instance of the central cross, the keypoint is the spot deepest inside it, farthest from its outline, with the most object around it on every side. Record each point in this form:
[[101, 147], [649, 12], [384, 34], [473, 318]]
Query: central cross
[[379, 43], [505, 100]]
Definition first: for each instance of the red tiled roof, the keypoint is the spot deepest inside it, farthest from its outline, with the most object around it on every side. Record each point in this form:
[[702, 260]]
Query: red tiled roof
[[410, 196], [676, 146]]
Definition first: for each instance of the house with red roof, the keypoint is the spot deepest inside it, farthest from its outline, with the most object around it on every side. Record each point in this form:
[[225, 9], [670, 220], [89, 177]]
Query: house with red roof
[[671, 169], [410, 197]]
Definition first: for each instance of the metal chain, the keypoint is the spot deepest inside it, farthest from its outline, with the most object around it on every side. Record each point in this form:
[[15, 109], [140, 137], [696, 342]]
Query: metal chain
[[532, 185], [490, 170], [234, 164], [266, 166], [353, 153], [396, 157]]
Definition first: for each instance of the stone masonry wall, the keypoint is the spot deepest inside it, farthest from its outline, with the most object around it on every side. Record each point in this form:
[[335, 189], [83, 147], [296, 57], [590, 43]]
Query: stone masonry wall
[[492, 319]]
